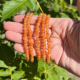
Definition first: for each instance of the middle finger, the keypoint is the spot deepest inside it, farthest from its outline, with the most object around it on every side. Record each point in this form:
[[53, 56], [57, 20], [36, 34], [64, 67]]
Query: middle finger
[[17, 37]]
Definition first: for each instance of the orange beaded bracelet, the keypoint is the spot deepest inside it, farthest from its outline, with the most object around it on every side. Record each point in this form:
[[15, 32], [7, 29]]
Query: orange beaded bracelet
[[47, 37], [26, 50], [37, 36], [43, 37], [43, 25]]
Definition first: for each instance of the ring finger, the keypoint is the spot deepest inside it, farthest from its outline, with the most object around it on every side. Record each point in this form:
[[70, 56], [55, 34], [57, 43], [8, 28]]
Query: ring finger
[[17, 37]]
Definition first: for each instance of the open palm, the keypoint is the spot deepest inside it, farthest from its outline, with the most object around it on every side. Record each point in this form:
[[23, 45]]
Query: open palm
[[64, 40]]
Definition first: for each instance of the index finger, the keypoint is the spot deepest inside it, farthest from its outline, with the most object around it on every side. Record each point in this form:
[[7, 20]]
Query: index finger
[[20, 19]]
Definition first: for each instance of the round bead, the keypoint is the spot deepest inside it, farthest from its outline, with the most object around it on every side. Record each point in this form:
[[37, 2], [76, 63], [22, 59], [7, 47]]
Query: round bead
[[25, 45], [24, 38]]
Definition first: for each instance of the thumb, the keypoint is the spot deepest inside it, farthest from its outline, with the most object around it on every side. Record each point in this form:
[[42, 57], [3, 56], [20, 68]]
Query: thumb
[[78, 5]]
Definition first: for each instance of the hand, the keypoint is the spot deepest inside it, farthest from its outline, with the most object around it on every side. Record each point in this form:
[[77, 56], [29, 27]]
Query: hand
[[64, 40]]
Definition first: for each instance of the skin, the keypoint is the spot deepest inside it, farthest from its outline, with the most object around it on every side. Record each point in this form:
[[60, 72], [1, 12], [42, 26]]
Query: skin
[[64, 39]]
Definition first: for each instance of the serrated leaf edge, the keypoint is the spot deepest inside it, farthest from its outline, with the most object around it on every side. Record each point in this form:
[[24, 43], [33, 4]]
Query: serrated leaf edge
[[16, 8]]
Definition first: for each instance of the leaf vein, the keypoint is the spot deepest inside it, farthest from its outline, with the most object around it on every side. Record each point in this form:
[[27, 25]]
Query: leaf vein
[[16, 7]]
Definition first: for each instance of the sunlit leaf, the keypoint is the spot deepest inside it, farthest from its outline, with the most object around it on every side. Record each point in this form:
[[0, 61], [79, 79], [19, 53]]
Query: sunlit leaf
[[12, 7], [51, 72], [37, 78], [17, 75], [2, 64], [7, 71], [32, 5], [12, 68], [4, 73]]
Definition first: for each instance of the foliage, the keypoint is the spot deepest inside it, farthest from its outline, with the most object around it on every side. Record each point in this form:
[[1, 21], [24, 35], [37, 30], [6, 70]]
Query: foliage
[[14, 66], [59, 8]]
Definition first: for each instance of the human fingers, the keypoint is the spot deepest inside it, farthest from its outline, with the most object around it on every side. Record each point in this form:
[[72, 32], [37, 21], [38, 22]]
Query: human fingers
[[17, 37], [18, 27]]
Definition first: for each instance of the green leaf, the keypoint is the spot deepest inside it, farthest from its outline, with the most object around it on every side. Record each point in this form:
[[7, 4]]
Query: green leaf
[[64, 15], [1, 78], [47, 72], [12, 7], [6, 54], [7, 71], [4, 73], [17, 75], [51, 72], [29, 67], [2, 64], [12, 68], [0, 11], [62, 72], [32, 5], [37, 78]]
